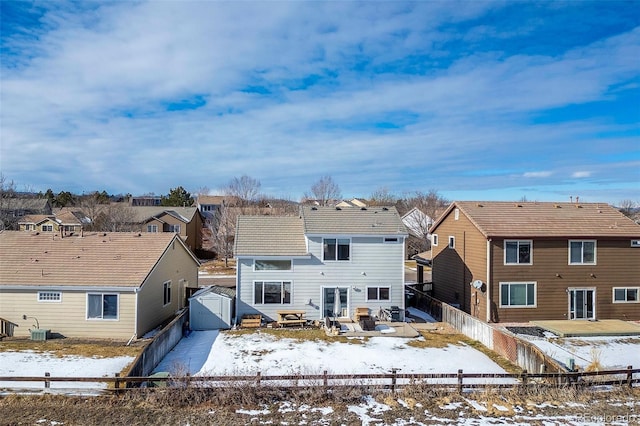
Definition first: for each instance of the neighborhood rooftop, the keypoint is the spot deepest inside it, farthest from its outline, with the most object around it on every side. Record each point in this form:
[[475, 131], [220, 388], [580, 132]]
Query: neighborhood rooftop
[[531, 219], [116, 259]]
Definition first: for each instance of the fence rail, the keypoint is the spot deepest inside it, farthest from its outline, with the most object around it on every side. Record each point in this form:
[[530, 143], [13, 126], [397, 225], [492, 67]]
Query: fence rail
[[392, 380]]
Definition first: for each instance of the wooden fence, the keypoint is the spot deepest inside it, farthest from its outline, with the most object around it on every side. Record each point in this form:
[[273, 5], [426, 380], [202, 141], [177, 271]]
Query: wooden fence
[[393, 380]]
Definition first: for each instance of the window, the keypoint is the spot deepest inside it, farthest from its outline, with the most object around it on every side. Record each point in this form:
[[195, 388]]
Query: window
[[456, 214], [272, 292], [102, 306], [582, 252], [47, 228], [378, 293], [336, 248], [517, 294], [174, 228], [517, 252], [27, 227], [152, 228], [166, 291], [390, 239], [271, 265], [434, 239], [626, 295], [452, 242], [49, 296]]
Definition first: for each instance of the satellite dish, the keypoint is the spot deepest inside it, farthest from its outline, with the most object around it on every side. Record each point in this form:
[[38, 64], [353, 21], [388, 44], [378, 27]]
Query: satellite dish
[[477, 284]]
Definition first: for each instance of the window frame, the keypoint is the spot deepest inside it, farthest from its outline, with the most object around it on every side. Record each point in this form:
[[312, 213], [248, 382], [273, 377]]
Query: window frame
[[256, 269], [530, 242], [434, 240], [151, 228], [174, 228], [582, 262], [166, 293], [282, 292], [526, 283], [378, 288], [102, 318], [626, 295], [452, 242], [46, 228], [390, 240], [336, 249], [57, 299]]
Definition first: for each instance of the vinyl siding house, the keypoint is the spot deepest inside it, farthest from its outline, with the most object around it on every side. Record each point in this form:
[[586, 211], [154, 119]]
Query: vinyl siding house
[[296, 263], [99, 285], [518, 262]]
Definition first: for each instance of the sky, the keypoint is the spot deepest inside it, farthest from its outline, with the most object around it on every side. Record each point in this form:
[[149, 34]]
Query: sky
[[478, 100]]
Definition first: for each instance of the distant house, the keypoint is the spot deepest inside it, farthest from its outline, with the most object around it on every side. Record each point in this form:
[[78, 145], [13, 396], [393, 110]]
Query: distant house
[[515, 262], [68, 222], [184, 221], [101, 285], [302, 262], [13, 209], [209, 205], [145, 201], [354, 202], [418, 225]]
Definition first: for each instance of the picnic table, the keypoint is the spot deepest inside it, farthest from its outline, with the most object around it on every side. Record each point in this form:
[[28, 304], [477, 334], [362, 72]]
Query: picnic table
[[291, 317]]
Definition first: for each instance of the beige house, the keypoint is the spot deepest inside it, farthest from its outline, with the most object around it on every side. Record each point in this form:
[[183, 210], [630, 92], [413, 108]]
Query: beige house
[[69, 222], [187, 222], [99, 285]]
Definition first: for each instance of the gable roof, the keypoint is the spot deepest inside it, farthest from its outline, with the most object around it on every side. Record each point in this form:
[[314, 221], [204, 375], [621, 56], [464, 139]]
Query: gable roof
[[352, 221], [417, 222], [544, 219], [144, 213], [36, 219], [217, 200], [117, 259], [36, 204], [270, 236]]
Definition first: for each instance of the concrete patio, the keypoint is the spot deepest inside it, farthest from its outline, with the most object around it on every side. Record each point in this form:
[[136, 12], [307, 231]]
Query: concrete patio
[[383, 328], [576, 328]]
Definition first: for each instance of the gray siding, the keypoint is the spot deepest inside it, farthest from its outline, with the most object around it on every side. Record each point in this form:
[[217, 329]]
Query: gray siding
[[381, 263]]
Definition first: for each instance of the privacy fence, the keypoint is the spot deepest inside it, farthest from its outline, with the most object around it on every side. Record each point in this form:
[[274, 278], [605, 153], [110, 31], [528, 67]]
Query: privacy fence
[[519, 351]]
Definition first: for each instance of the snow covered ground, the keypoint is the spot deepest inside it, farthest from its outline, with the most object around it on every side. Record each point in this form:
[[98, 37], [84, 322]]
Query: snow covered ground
[[36, 364], [611, 352], [222, 353]]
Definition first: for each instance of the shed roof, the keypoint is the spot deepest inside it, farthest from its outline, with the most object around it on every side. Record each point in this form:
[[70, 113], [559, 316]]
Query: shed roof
[[217, 289], [352, 221], [117, 259], [545, 219], [270, 236]]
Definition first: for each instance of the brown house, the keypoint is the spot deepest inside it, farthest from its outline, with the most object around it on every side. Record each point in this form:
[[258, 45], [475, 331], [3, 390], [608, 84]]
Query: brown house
[[184, 221], [517, 262]]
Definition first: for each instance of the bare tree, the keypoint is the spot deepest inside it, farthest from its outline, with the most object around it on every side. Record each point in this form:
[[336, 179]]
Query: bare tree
[[382, 197], [116, 217], [245, 189], [325, 191], [429, 206], [8, 219], [222, 231], [628, 208]]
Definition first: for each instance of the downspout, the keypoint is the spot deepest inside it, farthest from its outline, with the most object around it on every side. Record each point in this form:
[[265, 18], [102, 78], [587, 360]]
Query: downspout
[[238, 290], [488, 283], [402, 277]]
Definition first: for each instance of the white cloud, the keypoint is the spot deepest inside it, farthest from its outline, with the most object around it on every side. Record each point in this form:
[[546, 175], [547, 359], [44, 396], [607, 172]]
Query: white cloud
[[544, 174], [581, 175]]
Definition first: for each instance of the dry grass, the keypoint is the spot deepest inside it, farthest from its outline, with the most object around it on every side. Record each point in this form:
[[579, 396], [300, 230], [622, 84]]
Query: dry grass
[[68, 346], [218, 266], [297, 334]]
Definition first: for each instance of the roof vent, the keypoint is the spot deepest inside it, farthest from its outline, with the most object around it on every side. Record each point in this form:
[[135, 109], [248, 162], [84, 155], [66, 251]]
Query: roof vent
[[314, 208], [385, 209], [363, 208], [479, 205], [557, 206], [338, 208], [518, 205]]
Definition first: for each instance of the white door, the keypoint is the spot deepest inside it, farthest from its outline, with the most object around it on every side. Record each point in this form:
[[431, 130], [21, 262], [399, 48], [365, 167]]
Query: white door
[[582, 304]]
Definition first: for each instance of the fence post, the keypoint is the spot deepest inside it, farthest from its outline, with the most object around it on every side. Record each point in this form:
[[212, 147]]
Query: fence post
[[394, 372], [258, 378], [523, 377], [325, 380], [116, 384], [47, 383], [629, 376], [460, 381]]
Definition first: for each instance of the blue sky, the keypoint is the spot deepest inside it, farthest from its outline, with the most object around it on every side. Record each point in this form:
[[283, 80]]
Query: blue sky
[[478, 100]]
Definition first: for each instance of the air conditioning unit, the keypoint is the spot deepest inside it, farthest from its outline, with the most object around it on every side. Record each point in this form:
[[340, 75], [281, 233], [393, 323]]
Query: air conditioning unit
[[635, 243], [39, 334]]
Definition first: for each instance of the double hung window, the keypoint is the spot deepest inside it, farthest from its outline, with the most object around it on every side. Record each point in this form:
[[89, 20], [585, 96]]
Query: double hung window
[[517, 252]]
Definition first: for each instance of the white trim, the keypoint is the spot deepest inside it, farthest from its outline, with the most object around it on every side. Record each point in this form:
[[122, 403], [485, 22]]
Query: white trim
[[82, 289], [509, 283], [488, 281], [595, 300], [58, 300], [452, 242], [165, 285], [434, 240], [117, 318], [253, 292], [595, 252], [395, 239], [262, 259], [336, 260], [366, 296], [305, 256], [504, 250], [332, 287], [613, 294], [456, 214]]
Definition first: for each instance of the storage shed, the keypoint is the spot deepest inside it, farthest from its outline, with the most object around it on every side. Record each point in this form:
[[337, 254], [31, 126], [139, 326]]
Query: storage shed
[[212, 308]]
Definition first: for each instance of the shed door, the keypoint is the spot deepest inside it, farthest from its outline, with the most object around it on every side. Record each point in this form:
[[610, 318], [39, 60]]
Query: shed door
[[210, 313]]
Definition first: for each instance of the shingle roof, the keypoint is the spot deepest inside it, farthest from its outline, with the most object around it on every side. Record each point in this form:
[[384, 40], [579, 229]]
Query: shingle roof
[[545, 219], [118, 259], [143, 213], [36, 218], [270, 236], [352, 221]]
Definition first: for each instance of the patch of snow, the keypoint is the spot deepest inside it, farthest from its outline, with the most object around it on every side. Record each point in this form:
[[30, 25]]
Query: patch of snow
[[385, 329], [451, 406], [500, 407], [369, 405], [476, 405], [253, 412]]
